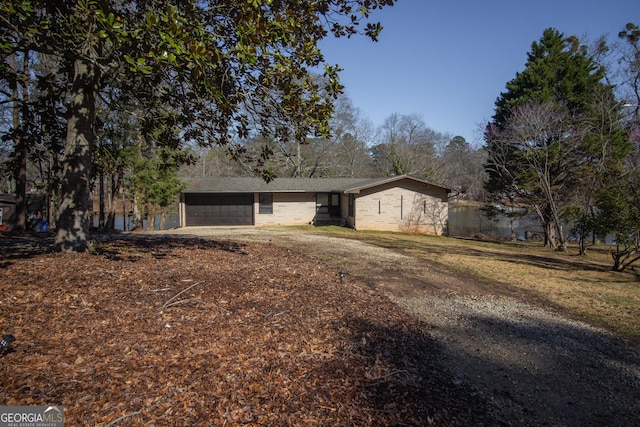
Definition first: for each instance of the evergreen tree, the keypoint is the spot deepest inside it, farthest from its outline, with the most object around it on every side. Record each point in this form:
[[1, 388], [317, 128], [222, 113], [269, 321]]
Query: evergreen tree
[[217, 62], [541, 144]]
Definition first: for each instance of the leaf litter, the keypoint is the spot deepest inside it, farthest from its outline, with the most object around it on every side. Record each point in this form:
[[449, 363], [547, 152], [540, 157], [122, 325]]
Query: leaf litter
[[182, 332]]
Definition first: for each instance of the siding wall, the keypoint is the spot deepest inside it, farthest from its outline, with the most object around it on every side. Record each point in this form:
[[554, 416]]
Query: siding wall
[[288, 209], [403, 207]]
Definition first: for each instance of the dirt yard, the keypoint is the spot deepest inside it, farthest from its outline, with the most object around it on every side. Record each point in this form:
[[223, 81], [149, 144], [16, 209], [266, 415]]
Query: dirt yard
[[255, 327]]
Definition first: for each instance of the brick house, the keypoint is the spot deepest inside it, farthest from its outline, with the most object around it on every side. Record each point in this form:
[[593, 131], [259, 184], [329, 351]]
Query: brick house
[[401, 203]]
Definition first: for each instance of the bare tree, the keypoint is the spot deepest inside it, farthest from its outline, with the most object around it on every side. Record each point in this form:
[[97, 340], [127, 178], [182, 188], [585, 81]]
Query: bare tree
[[534, 151], [351, 135], [408, 146], [344, 153]]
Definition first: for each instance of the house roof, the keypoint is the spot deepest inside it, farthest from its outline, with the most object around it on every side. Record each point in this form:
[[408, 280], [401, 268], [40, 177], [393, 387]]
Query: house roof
[[290, 185], [382, 181]]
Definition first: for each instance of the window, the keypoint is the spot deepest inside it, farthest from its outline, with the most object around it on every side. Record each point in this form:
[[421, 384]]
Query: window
[[352, 205], [322, 203], [266, 203]]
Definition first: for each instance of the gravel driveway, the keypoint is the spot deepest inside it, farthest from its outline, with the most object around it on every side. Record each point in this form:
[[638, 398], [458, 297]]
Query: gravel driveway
[[534, 367]]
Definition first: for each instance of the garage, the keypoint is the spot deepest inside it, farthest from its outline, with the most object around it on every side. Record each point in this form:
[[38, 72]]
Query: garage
[[218, 209]]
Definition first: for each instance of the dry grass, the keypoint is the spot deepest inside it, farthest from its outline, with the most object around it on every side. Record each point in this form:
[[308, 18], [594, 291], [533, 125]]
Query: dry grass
[[582, 287]]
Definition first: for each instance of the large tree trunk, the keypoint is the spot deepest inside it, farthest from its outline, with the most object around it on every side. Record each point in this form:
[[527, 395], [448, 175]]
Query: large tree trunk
[[73, 215]]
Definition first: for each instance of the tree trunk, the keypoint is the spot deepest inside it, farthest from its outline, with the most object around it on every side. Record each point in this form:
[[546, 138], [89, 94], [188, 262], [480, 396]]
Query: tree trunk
[[110, 221], [136, 219], [20, 148], [546, 226], [51, 207], [297, 162], [583, 244], [163, 217], [73, 215], [514, 235], [617, 263], [549, 241], [559, 235], [101, 213], [150, 218]]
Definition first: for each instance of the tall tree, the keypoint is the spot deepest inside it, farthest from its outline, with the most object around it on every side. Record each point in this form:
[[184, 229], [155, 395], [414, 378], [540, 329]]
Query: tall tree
[[606, 147], [226, 61], [536, 144], [345, 153], [617, 202], [116, 134], [351, 134], [154, 179], [18, 78], [34, 118]]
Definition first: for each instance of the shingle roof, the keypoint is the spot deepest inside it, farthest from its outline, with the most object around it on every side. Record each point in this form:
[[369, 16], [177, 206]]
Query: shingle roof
[[380, 181], [252, 185], [285, 185]]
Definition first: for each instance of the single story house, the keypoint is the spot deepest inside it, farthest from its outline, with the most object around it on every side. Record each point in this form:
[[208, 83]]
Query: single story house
[[400, 203]]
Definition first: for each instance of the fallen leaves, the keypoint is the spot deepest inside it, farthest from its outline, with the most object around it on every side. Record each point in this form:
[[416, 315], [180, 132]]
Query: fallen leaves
[[198, 332]]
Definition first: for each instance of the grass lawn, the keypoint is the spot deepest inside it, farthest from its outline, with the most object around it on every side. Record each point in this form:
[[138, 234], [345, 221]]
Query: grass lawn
[[582, 287]]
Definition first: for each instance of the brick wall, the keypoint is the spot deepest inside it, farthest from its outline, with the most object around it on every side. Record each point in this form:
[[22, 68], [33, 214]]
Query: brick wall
[[405, 208]]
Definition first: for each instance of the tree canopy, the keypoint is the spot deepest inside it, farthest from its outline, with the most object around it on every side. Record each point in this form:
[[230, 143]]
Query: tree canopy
[[202, 71], [558, 69]]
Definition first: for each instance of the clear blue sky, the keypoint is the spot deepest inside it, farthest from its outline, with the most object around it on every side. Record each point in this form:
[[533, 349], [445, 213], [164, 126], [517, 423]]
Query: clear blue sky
[[448, 61]]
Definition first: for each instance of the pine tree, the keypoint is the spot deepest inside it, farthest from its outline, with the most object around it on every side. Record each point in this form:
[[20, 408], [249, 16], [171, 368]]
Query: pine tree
[[550, 134]]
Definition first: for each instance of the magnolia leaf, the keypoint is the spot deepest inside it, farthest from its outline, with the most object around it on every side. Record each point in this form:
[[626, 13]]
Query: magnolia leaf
[[151, 18]]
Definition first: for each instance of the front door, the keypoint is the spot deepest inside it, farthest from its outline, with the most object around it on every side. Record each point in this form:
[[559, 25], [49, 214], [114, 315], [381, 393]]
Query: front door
[[328, 203]]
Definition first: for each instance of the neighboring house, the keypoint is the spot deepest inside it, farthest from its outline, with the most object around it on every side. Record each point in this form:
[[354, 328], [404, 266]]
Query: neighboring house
[[400, 203], [7, 208], [35, 204]]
